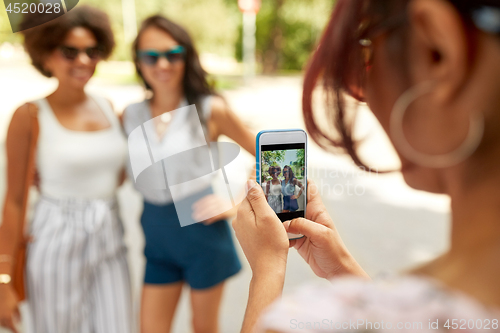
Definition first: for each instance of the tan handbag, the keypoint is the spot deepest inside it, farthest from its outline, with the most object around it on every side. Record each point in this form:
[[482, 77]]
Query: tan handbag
[[20, 255]]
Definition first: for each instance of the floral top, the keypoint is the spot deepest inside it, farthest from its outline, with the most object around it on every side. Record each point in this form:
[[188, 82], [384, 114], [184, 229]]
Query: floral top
[[387, 304]]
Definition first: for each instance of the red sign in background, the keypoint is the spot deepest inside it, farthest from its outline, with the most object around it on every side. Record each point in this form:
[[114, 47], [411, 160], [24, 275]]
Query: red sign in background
[[249, 6]]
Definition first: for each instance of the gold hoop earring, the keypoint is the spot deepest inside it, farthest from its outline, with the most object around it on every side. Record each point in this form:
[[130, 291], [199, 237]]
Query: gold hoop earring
[[468, 147]]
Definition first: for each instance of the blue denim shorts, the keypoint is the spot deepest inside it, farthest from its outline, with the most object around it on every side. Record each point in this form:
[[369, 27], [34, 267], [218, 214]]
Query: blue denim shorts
[[201, 255]]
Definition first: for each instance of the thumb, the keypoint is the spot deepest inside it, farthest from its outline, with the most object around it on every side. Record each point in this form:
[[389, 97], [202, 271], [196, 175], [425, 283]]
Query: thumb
[[256, 198], [305, 227]]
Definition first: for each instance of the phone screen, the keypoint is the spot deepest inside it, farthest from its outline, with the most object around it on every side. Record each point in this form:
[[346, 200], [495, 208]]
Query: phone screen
[[283, 178]]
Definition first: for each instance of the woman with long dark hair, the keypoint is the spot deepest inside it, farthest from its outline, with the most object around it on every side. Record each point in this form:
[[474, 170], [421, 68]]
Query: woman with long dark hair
[[288, 184], [77, 274], [201, 255], [429, 72]]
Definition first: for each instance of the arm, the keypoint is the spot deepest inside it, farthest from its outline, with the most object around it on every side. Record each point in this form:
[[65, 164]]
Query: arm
[[263, 291], [123, 172], [17, 146], [299, 184], [224, 121], [265, 244]]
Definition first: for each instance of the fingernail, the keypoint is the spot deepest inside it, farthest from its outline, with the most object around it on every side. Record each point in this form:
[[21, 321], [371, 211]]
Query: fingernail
[[250, 183], [286, 224]]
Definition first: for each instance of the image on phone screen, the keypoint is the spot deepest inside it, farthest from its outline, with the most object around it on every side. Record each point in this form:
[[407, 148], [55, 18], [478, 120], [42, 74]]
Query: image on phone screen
[[283, 178]]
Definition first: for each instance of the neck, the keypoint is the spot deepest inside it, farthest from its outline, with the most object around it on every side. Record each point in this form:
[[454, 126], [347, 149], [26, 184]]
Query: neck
[[475, 206], [471, 265], [68, 96], [476, 218], [165, 102]]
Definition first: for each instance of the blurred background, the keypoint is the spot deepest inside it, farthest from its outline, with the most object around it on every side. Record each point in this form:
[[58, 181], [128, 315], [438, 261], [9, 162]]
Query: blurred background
[[385, 224]]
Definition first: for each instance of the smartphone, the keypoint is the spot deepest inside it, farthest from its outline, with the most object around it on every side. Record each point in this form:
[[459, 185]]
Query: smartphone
[[281, 157]]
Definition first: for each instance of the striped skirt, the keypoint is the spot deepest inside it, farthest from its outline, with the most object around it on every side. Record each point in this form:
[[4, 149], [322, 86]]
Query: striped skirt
[[77, 272]]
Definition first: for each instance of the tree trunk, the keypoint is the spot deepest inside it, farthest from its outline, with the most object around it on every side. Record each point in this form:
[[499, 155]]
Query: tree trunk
[[272, 53]]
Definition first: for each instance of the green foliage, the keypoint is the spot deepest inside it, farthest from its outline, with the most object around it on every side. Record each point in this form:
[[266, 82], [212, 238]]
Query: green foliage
[[299, 24], [273, 157], [301, 157], [287, 30], [298, 166]]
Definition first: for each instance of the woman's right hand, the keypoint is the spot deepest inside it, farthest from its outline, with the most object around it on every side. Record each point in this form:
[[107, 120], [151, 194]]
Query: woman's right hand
[[9, 311], [322, 247]]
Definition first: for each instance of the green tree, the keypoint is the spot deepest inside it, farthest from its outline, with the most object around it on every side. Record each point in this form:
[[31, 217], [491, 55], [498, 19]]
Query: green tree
[[273, 157], [287, 32]]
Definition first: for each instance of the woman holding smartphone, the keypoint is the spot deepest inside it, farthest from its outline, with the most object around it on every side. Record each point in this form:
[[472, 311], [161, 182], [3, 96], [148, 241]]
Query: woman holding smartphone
[[429, 72], [288, 184], [77, 272], [201, 255]]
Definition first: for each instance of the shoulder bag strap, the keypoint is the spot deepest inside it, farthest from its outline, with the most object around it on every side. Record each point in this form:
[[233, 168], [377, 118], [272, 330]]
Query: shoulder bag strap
[[31, 169], [18, 276]]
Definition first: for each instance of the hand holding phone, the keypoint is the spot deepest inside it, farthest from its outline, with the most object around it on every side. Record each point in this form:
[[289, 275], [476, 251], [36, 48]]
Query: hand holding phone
[[282, 172]]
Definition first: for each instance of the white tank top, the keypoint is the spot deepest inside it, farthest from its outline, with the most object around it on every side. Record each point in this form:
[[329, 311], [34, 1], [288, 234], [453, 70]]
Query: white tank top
[[275, 189], [183, 133], [79, 164]]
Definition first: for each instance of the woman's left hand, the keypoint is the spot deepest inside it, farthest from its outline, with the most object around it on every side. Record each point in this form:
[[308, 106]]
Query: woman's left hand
[[294, 197], [210, 206], [261, 234]]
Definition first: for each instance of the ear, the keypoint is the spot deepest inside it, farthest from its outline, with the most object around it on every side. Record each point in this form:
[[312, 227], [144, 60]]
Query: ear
[[440, 41]]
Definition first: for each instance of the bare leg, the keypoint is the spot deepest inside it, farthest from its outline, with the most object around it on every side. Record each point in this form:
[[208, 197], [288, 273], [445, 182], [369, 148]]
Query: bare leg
[[158, 306], [205, 304]]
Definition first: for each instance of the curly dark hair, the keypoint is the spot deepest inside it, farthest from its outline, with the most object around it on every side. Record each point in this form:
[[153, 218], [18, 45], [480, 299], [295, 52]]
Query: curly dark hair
[[42, 40]]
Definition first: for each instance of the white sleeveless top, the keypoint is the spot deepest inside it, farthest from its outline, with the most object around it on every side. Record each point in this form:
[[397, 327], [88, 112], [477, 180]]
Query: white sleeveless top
[[183, 133], [79, 164], [275, 189]]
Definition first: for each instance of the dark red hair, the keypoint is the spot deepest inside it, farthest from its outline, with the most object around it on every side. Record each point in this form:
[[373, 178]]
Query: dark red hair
[[335, 64]]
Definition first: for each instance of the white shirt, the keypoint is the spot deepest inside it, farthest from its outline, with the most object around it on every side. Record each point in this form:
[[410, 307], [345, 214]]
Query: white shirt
[[79, 164]]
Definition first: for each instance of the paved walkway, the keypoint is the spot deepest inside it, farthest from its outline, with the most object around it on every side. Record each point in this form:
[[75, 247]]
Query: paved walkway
[[385, 224]]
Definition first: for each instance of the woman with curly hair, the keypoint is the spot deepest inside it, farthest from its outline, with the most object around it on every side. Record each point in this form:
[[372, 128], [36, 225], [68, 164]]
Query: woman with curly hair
[[274, 193], [76, 273]]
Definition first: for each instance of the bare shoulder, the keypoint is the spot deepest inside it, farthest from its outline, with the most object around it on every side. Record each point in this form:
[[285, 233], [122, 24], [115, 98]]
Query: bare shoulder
[[219, 105], [21, 119]]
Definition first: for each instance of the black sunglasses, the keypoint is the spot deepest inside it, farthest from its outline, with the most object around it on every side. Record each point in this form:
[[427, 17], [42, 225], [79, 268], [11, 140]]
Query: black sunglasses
[[71, 53], [150, 57]]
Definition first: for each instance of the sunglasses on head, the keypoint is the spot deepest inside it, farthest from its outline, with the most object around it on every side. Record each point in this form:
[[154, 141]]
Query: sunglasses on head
[[71, 53], [150, 57]]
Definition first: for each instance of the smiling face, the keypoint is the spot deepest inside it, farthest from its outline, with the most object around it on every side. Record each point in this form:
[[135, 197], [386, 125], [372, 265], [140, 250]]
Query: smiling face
[[164, 75], [76, 72], [288, 173]]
